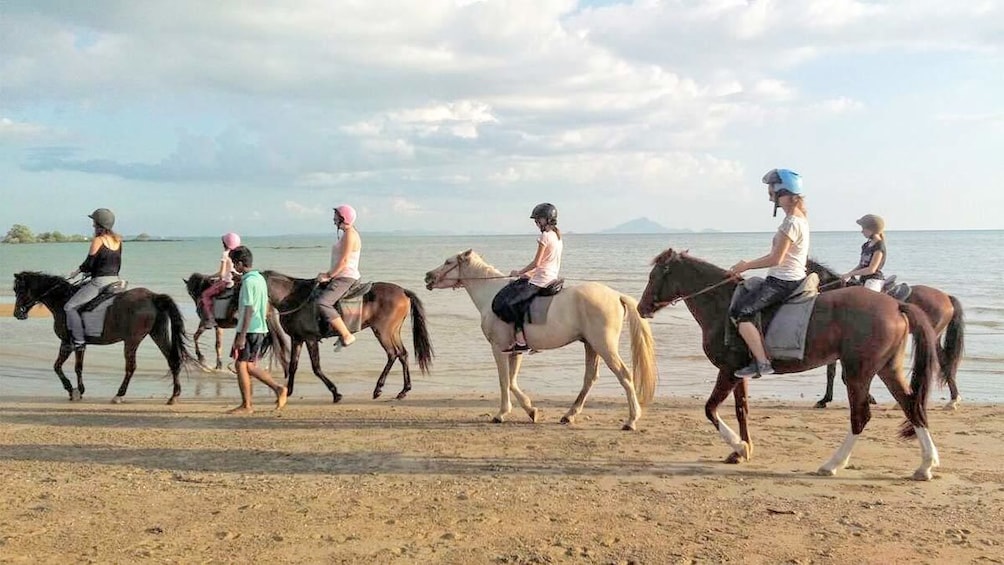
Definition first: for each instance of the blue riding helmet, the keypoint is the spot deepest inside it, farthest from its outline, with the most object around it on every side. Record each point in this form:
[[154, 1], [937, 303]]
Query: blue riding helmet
[[784, 179]]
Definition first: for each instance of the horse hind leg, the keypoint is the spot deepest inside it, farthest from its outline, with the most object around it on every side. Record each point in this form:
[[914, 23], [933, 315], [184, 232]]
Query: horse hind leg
[[895, 381], [948, 377], [314, 350], [78, 368], [588, 380], [130, 368], [616, 365], [162, 338]]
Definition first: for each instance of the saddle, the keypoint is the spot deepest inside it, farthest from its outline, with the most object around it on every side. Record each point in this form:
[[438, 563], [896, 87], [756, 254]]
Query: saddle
[[92, 312], [783, 326], [349, 306], [899, 291], [536, 311]]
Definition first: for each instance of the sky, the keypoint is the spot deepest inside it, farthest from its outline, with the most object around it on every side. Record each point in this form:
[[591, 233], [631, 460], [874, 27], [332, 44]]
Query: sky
[[193, 118]]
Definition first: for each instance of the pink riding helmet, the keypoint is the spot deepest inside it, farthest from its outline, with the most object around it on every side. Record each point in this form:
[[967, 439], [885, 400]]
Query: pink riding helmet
[[231, 241], [347, 214]]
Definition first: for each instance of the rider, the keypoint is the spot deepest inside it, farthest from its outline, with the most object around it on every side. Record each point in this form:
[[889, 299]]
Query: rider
[[344, 272], [873, 253], [510, 302], [785, 265], [226, 273], [103, 262]]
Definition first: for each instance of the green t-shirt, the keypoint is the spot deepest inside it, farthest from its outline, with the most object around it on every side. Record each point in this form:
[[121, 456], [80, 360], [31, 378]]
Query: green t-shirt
[[254, 295]]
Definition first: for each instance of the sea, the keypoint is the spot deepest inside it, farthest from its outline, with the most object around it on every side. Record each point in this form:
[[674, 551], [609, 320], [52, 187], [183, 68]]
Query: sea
[[967, 264]]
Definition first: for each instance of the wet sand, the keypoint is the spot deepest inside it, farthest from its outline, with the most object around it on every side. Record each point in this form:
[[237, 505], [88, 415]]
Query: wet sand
[[430, 480]]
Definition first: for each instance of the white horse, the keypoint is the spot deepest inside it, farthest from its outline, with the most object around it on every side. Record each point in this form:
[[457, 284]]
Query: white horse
[[591, 313]]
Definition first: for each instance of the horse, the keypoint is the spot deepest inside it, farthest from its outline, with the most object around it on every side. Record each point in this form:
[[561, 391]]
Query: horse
[[591, 313], [195, 284], [132, 316], [384, 309], [942, 309], [866, 330]]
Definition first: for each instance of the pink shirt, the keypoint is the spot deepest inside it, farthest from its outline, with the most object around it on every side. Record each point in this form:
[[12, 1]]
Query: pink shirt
[[228, 268], [550, 259]]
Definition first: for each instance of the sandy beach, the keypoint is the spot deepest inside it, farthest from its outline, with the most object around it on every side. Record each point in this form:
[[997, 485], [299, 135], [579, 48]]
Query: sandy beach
[[430, 480]]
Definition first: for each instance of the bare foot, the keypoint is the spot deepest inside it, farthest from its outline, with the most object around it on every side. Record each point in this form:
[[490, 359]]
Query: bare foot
[[280, 398], [241, 410]]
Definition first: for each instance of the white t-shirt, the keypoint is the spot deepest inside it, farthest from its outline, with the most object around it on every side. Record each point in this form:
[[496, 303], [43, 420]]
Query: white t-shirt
[[228, 268], [550, 260], [792, 267]]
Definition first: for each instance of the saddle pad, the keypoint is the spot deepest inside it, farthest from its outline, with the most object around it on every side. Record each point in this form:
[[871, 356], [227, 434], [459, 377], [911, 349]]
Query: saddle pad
[[537, 312], [352, 312], [94, 320], [785, 337]]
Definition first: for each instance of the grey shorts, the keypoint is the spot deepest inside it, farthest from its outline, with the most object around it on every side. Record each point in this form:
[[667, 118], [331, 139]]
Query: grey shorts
[[254, 346]]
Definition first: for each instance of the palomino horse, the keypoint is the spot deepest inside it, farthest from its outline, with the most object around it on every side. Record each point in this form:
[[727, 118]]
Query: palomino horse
[[132, 316], [866, 330], [195, 285], [591, 313], [385, 306], [942, 309]]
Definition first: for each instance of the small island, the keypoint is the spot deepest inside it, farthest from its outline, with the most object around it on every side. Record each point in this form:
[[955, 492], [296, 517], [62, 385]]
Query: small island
[[20, 233], [645, 226]]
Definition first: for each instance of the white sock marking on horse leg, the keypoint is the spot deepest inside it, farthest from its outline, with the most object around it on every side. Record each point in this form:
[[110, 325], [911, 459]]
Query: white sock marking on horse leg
[[730, 437], [928, 451], [840, 457]]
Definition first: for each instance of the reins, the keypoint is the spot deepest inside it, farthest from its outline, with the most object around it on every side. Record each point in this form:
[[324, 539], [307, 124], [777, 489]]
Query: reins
[[702, 291], [304, 302]]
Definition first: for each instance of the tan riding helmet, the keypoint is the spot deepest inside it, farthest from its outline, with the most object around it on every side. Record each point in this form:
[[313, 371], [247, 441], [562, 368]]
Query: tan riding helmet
[[873, 223]]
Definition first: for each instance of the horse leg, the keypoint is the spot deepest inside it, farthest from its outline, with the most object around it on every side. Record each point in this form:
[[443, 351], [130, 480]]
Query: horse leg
[[64, 353], [314, 350], [949, 378], [219, 348], [515, 362], [858, 383], [588, 380], [723, 387], [505, 402], [130, 368], [195, 338], [831, 375], [402, 356], [391, 352], [895, 381], [613, 360], [741, 394], [160, 336], [78, 368]]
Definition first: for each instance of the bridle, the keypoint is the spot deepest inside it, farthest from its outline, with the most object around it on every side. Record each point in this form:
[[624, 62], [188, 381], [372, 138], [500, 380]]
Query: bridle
[[460, 280], [709, 288], [37, 299]]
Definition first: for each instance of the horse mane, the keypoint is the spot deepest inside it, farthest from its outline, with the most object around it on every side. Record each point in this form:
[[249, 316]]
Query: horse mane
[[825, 273], [46, 277], [476, 261], [670, 255]]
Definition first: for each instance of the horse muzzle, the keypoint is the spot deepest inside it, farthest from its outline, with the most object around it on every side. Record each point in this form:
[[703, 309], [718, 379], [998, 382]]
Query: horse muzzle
[[20, 312]]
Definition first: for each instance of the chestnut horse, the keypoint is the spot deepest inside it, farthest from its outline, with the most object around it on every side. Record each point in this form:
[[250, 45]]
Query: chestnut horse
[[866, 330], [942, 309], [591, 313], [385, 306], [132, 316]]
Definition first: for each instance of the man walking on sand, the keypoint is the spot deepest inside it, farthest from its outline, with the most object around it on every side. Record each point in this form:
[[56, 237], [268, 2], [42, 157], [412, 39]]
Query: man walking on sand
[[251, 332]]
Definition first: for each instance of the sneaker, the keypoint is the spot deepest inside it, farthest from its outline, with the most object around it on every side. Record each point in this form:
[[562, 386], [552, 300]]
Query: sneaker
[[342, 343], [517, 348], [755, 370]]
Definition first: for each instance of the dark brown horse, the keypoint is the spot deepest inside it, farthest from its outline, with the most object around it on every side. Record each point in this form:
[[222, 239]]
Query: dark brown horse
[[866, 330], [132, 316], [195, 285], [385, 306], [942, 309]]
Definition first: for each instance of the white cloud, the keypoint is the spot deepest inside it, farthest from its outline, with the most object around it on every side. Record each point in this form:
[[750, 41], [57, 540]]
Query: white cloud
[[301, 211]]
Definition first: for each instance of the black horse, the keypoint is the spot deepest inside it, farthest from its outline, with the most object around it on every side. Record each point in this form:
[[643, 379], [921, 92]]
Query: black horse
[[385, 306], [945, 314], [195, 285], [132, 316]]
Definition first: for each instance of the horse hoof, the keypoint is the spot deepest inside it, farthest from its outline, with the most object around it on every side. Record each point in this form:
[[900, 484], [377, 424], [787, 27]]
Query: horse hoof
[[627, 428], [952, 405], [336, 398], [172, 400], [821, 404], [376, 394], [219, 366], [401, 395], [496, 420], [565, 420], [824, 472], [74, 395], [534, 414], [734, 458], [118, 400], [922, 475]]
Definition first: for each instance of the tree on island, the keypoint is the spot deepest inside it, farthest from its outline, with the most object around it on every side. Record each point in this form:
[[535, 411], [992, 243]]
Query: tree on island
[[20, 233]]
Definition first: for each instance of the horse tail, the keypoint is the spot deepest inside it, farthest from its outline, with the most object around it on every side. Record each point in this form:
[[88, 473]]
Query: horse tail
[[420, 333], [277, 342], [642, 352], [167, 310], [925, 362], [954, 342]]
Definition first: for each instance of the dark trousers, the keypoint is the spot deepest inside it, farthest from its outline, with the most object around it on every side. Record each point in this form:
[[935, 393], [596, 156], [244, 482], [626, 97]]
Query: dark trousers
[[330, 294], [511, 303], [772, 291]]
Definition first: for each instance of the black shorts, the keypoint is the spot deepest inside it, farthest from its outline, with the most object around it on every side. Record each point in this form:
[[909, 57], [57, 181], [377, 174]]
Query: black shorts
[[254, 345], [772, 291]]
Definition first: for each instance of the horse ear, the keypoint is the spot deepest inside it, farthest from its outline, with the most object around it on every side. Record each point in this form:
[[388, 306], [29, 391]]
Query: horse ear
[[466, 254]]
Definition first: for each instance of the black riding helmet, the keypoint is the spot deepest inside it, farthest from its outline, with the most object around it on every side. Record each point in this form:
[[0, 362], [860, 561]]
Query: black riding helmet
[[545, 211], [103, 217]]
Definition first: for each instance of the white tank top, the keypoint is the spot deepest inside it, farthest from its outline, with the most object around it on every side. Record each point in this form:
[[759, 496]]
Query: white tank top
[[351, 269]]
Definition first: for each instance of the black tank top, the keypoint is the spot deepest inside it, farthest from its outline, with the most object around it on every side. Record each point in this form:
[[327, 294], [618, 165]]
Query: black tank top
[[105, 263]]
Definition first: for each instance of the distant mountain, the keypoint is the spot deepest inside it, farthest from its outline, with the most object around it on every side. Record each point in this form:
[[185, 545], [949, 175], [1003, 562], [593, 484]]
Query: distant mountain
[[642, 225]]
